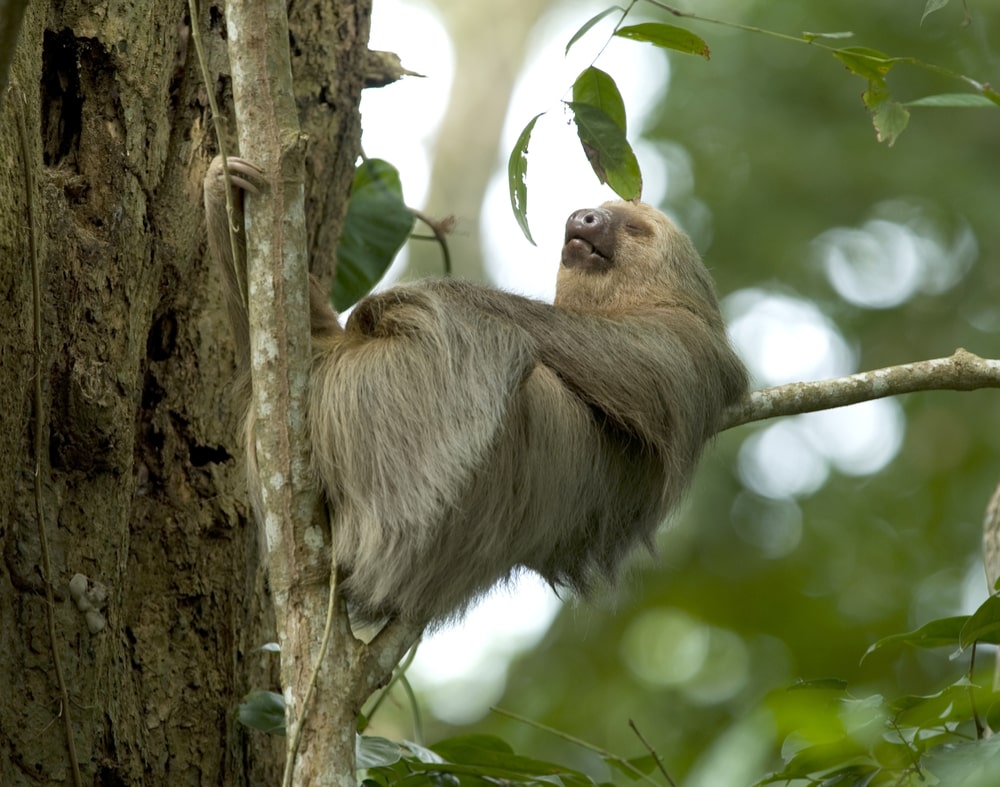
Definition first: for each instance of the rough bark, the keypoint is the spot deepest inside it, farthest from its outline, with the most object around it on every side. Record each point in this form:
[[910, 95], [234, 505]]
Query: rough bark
[[142, 482]]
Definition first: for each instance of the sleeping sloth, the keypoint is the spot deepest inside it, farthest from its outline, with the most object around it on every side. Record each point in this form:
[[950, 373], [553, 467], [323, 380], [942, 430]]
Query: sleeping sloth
[[460, 432]]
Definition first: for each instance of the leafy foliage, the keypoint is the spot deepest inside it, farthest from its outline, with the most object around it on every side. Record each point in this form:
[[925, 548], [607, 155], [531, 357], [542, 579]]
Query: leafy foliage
[[766, 151], [888, 115], [830, 736], [601, 125], [835, 738]]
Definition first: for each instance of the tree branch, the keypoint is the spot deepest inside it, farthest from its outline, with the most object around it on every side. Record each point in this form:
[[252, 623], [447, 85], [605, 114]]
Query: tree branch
[[280, 357], [962, 371]]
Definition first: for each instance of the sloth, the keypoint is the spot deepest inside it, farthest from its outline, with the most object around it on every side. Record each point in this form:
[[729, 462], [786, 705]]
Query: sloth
[[462, 433]]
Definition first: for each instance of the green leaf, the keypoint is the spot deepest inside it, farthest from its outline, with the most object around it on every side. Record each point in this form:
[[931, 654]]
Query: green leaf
[[984, 625], [517, 172], [422, 753], [864, 719], [375, 228], [374, 752], [263, 711], [666, 37], [971, 764], [590, 23], [848, 776], [471, 748], [607, 149], [888, 116], [645, 763], [812, 759], [952, 704], [598, 89], [890, 119], [931, 7], [492, 758], [935, 634], [952, 100], [868, 63]]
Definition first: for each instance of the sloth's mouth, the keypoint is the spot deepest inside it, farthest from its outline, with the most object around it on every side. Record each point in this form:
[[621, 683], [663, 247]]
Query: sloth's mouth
[[581, 253]]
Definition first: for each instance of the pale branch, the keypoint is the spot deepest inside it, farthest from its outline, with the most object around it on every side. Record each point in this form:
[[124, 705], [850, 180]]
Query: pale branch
[[991, 558], [962, 371], [280, 353], [382, 654]]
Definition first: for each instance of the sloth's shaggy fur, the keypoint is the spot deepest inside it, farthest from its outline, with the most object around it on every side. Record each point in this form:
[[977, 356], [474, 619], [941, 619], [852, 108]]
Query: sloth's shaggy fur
[[460, 432]]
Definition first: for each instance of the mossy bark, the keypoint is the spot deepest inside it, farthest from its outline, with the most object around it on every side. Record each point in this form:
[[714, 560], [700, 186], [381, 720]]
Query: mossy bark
[[141, 478]]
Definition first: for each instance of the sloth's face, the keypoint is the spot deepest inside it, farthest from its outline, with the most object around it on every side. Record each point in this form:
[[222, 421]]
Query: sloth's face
[[624, 256]]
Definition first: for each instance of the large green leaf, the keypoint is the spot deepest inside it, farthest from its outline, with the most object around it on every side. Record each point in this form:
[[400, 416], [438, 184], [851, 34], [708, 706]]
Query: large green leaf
[[377, 225], [608, 150], [598, 89], [936, 634]]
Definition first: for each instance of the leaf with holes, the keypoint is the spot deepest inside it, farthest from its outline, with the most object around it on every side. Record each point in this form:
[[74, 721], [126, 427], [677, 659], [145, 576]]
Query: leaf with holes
[[517, 173], [889, 117]]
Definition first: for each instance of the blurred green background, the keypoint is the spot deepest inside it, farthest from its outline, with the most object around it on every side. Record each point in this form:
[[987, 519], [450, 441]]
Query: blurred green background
[[772, 162]]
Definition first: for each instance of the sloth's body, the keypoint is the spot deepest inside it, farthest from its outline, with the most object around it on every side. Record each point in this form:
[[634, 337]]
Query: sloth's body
[[461, 432]]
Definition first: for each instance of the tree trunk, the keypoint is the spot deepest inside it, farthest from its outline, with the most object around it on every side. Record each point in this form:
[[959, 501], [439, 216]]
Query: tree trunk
[[141, 481]]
